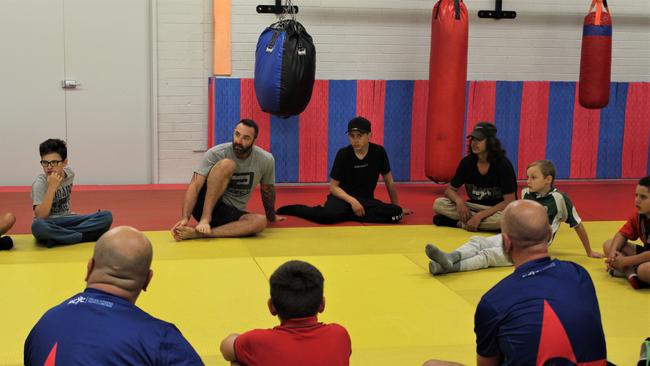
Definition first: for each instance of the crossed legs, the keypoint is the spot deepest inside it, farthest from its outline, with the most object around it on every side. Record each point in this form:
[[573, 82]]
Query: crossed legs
[[235, 224]]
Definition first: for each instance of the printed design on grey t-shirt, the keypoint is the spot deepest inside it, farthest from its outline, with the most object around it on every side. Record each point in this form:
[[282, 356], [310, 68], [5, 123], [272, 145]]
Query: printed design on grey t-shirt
[[483, 193], [241, 184], [61, 201]]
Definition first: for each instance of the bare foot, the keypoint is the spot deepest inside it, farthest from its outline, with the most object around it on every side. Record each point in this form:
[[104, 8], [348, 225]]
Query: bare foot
[[188, 232], [203, 227]]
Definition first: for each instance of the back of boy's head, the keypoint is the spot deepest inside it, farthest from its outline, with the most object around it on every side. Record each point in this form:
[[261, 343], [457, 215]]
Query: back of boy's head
[[53, 146], [645, 181], [546, 167], [296, 290]]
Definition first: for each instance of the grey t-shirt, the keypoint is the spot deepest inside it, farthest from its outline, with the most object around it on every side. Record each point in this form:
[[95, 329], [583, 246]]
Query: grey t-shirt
[[258, 167], [61, 201]]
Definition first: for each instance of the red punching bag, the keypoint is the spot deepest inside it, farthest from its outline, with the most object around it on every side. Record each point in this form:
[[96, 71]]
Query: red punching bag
[[447, 79], [596, 57]]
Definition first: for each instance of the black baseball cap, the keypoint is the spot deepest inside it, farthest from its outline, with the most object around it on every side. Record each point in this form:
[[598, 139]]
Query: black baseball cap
[[359, 124], [483, 130]]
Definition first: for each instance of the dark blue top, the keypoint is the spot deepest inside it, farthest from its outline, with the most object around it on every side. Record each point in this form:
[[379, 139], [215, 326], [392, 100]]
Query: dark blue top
[[97, 328], [546, 307]]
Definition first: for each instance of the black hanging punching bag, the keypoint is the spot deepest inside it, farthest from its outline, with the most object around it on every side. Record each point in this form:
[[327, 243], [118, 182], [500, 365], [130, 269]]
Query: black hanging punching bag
[[285, 68]]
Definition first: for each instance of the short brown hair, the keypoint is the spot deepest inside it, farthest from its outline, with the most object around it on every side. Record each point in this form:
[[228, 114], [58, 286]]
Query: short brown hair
[[546, 167]]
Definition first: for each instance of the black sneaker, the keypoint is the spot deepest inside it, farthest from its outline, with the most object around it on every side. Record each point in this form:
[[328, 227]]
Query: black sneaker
[[442, 220], [6, 243]]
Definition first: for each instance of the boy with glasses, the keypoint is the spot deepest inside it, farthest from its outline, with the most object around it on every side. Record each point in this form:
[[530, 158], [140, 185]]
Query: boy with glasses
[[54, 224]]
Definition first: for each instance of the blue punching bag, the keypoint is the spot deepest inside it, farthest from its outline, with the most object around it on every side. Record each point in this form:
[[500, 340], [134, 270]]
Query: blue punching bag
[[285, 68]]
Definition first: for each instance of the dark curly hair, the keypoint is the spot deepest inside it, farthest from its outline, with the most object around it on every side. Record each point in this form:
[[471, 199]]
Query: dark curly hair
[[53, 146], [493, 146]]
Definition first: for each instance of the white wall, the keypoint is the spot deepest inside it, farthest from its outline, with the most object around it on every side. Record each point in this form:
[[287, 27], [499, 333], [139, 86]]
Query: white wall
[[378, 39]]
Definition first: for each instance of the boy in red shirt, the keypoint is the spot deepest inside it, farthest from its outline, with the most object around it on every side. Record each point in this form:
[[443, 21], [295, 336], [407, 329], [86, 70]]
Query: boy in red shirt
[[299, 340], [629, 259]]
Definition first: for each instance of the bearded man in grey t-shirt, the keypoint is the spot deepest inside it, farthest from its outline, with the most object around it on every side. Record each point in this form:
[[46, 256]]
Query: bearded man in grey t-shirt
[[222, 185]]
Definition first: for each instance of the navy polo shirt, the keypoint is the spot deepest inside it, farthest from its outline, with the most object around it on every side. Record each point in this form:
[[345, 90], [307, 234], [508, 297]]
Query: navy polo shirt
[[97, 328], [546, 309]]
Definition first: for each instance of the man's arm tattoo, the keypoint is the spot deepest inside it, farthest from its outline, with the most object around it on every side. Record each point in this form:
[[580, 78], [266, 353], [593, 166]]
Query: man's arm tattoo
[[268, 200]]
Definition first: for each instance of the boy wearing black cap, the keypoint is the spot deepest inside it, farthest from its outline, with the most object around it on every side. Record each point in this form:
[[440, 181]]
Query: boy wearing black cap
[[354, 176], [489, 181]]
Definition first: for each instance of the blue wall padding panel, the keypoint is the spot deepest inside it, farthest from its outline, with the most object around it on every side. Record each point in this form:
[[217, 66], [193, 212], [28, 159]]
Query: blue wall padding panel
[[226, 108], [610, 133], [397, 126], [342, 107], [507, 115], [561, 99], [284, 145]]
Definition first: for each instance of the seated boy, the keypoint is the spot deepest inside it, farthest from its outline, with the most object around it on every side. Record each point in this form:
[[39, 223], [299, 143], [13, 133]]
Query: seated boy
[[354, 174], [53, 222], [483, 252], [628, 259], [6, 222], [296, 298]]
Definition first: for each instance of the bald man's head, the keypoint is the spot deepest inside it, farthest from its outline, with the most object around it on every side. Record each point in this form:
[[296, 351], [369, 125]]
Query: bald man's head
[[121, 260], [525, 222]]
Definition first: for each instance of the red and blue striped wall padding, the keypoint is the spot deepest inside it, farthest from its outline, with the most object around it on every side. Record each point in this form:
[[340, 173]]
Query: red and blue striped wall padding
[[535, 120]]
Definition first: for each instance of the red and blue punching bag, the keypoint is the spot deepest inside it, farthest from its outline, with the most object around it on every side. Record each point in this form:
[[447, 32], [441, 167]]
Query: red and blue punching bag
[[596, 57], [447, 79]]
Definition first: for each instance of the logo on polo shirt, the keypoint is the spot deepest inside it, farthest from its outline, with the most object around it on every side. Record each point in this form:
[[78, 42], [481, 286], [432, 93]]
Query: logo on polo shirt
[[89, 300], [77, 300]]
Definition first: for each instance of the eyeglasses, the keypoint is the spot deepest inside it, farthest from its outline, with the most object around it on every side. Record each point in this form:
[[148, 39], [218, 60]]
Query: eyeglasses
[[52, 163]]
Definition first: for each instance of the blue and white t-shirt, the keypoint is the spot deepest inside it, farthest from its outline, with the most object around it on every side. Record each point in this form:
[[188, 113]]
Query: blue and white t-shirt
[[97, 328]]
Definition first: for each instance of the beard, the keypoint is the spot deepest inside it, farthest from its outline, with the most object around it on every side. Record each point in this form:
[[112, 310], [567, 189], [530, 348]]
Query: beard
[[240, 149]]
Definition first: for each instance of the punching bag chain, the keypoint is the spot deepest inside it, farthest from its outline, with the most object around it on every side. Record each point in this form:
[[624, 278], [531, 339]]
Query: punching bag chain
[[289, 7]]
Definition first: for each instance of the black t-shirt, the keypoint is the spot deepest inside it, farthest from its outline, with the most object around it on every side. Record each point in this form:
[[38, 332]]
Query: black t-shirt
[[485, 189], [359, 177]]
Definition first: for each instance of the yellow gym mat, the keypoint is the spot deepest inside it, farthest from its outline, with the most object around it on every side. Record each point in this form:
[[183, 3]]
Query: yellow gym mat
[[377, 285]]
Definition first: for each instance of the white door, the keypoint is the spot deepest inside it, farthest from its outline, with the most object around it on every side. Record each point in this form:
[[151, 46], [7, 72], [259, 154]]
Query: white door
[[104, 46], [32, 103], [108, 117]]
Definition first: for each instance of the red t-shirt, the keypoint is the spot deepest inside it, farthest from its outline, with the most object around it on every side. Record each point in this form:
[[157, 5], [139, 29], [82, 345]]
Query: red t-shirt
[[296, 342], [635, 228]]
